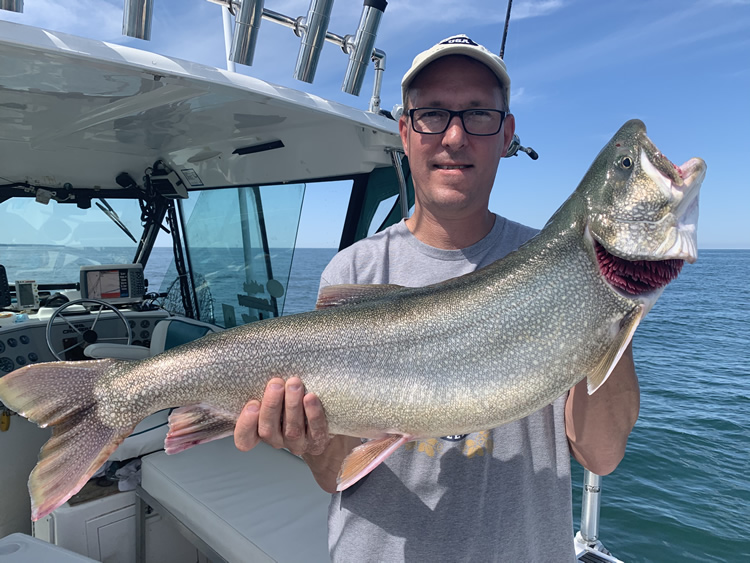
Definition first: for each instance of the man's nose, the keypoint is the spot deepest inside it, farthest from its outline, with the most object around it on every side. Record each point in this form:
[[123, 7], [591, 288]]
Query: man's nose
[[455, 135]]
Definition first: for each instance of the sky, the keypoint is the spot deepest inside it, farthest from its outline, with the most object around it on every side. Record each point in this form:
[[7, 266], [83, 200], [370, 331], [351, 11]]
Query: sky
[[579, 70]]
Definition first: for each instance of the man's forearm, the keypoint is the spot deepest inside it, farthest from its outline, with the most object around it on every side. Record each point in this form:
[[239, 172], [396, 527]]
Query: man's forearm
[[325, 467], [598, 425]]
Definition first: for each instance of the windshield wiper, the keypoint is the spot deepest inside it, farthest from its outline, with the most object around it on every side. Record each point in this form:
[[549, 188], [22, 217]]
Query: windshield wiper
[[112, 214]]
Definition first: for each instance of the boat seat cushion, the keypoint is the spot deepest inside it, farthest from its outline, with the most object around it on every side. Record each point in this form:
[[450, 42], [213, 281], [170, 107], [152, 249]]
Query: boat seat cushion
[[262, 505], [175, 331]]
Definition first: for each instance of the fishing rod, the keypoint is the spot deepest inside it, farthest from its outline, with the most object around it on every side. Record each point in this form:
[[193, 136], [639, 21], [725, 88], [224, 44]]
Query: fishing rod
[[515, 144], [505, 30]]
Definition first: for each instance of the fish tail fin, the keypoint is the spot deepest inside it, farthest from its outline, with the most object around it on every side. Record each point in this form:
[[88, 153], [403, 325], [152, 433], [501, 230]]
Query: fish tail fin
[[61, 395]]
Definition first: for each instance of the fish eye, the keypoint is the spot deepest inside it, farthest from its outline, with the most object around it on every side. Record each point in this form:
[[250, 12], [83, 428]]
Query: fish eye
[[626, 162]]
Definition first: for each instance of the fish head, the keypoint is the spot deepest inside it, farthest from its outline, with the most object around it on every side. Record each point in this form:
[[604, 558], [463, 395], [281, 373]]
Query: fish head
[[641, 212]]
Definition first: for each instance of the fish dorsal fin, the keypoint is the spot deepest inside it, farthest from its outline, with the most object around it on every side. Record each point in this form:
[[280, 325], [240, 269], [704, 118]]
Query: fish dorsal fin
[[367, 457], [605, 366], [346, 294]]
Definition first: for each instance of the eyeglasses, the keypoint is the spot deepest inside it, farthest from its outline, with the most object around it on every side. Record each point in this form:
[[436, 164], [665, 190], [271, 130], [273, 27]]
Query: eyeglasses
[[433, 121]]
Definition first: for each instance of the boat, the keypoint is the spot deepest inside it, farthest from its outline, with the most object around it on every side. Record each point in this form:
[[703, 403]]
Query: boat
[[115, 158]]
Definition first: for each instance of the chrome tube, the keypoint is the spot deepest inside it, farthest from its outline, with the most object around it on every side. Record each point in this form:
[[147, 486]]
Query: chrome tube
[[246, 27], [378, 58], [313, 38], [136, 18], [364, 41], [403, 189], [590, 505], [12, 5], [226, 21]]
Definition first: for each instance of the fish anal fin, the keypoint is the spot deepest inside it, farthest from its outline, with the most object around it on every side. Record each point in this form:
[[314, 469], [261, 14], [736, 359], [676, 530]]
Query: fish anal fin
[[367, 457], [605, 366], [197, 424], [346, 294]]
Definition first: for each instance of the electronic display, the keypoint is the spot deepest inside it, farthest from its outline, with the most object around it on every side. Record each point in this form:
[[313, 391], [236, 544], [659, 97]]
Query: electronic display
[[27, 295], [114, 283]]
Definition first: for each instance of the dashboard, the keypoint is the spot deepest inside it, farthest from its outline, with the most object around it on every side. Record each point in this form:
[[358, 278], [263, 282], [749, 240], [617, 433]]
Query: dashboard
[[25, 342]]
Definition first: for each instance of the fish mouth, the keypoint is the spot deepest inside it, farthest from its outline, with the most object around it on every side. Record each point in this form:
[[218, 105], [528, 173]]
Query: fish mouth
[[682, 186], [635, 277]]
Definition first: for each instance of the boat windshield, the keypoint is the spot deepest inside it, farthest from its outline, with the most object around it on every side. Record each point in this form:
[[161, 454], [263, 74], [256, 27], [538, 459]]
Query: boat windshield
[[49, 243], [237, 245], [240, 244]]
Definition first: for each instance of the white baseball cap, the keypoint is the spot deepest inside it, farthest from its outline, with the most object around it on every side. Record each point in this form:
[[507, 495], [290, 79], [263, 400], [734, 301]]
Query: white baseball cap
[[457, 45]]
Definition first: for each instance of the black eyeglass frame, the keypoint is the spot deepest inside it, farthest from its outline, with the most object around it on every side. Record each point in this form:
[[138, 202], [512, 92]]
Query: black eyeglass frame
[[460, 114]]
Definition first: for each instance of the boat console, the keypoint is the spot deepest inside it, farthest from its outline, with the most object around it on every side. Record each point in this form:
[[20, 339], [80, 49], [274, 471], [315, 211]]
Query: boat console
[[50, 334]]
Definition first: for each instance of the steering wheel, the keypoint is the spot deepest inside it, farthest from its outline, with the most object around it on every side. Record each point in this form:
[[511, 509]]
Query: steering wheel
[[88, 336]]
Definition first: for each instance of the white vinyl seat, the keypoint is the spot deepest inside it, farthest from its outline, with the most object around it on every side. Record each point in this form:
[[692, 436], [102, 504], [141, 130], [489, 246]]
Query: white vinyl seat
[[239, 507], [168, 333], [149, 435]]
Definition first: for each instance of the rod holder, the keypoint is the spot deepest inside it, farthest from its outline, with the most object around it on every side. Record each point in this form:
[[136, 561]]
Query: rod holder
[[12, 5], [313, 38], [246, 28], [136, 18], [590, 505], [361, 49]]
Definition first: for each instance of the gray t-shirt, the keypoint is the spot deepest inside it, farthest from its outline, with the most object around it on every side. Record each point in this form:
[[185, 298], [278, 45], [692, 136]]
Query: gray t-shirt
[[499, 495]]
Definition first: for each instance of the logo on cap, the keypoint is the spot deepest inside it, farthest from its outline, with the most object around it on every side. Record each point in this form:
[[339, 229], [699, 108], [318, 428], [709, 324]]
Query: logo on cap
[[462, 40]]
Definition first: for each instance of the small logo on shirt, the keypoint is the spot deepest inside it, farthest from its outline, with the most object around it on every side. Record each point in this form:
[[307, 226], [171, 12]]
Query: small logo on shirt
[[477, 444]]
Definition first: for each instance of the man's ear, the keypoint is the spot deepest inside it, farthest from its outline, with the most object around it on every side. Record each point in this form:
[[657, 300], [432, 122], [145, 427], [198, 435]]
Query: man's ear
[[509, 127], [403, 130]]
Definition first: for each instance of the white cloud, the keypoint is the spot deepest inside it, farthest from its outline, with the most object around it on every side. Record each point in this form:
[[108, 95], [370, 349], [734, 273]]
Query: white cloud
[[534, 8], [462, 13], [520, 96]]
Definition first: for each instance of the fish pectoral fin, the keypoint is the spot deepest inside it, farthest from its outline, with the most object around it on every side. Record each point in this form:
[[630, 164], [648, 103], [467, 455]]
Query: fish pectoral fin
[[367, 457], [346, 294], [605, 366], [197, 424]]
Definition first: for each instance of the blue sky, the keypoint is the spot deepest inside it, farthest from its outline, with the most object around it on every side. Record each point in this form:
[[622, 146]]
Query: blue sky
[[579, 70]]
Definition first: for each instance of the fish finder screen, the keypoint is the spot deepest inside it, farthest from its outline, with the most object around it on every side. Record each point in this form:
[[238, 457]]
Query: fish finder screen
[[117, 284], [107, 284]]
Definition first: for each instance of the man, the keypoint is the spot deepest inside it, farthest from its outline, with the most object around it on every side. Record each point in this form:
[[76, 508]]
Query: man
[[499, 495]]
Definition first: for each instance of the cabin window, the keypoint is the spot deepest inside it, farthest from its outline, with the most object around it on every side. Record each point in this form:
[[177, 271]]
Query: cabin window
[[375, 204], [239, 246], [48, 243]]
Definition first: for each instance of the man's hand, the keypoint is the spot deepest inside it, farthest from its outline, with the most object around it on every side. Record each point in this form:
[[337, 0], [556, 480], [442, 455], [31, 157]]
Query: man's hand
[[287, 417]]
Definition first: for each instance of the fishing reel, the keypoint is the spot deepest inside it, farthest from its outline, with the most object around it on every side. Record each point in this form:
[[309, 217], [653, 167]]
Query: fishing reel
[[515, 146]]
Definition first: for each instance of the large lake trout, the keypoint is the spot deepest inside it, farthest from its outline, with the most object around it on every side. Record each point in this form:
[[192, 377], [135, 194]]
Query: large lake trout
[[395, 364]]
